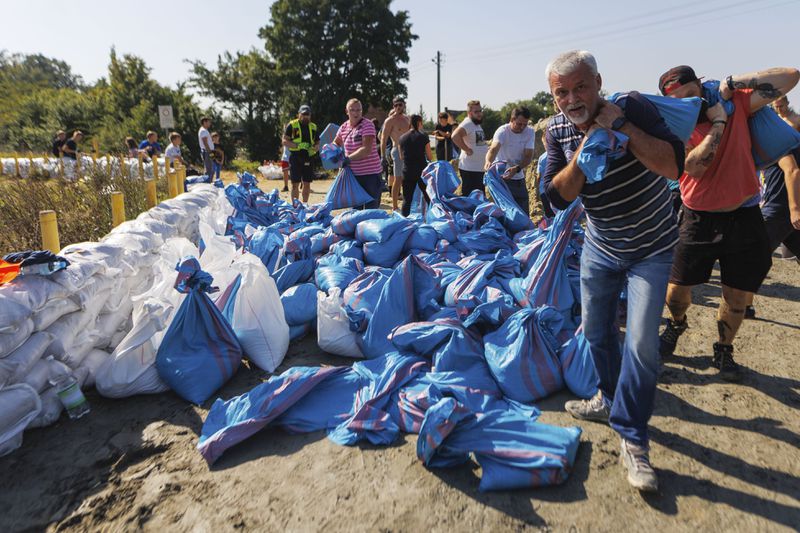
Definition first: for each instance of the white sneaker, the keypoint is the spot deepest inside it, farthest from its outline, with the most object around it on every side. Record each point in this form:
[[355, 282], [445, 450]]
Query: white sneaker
[[636, 461], [594, 409]]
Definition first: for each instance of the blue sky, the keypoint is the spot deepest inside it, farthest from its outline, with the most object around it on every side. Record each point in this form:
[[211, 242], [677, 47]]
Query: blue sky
[[494, 51]]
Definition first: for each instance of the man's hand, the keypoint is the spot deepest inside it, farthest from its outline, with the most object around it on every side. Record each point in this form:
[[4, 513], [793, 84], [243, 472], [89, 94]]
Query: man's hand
[[794, 217], [608, 113], [510, 172], [468, 151], [716, 112]]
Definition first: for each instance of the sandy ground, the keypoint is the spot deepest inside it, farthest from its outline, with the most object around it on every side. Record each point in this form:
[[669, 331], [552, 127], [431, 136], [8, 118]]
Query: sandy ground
[[728, 457]]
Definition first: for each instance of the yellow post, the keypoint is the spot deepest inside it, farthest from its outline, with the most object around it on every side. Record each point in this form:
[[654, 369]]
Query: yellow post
[[150, 191], [141, 166], [61, 166], [154, 159], [117, 208], [172, 184], [95, 147], [16, 167], [181, 179], [94, 163], [49, 226], [167, 165], [78, 158]]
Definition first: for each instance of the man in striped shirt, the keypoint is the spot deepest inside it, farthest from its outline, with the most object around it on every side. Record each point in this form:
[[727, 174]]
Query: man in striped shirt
[[631, 231]]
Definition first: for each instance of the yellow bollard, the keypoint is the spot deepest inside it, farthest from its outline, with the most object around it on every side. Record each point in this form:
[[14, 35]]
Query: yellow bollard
[[61, 166], [16, 167], [49, 227], [150, 191], [181, 179], [117, 208], [155, 167], [78, 166], [172, 184], [167, 165], [141, 166]]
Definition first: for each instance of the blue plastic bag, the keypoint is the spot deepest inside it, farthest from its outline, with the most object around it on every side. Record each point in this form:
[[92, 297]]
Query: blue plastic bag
[[522, 354], [200, 351], [360, 297], [771, 136], [344, 224], [386, 254], [602, 147], [293, 274], [381, 230], [345, 191], [680, 114], [300, 304], [577, 366], [267, 244], [514, 218], [424, 237]]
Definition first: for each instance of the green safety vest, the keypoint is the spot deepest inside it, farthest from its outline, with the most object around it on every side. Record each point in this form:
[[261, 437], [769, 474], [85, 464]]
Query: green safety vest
[[297, 135]]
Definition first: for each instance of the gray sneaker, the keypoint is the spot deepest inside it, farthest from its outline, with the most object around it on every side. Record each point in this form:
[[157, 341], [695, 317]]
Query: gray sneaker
[[593, 409], [636, 461]]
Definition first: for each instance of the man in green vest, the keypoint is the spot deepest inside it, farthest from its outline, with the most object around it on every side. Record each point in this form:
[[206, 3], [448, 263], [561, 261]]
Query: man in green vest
[[302, 139]]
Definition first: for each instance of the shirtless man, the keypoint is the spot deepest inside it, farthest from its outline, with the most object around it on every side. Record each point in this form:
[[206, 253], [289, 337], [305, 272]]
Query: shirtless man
[[781, 107], [396, 125]]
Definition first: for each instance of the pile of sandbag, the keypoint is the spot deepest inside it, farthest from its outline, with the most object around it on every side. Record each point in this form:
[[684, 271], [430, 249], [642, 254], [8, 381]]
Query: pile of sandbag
[[128, 167]]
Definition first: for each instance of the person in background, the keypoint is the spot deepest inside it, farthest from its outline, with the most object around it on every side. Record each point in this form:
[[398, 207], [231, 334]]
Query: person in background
[[443, 133], [781, 107], [206, 144], [133, 149], [70, 147], [217, 156], [720, 219], [284, 168], [469, 137], [513, 143], [302, 139], [393, 127], [173, 151], [385, 165], [150, 145], [58, 142], [630, 235], [415, 151], [357, 136]]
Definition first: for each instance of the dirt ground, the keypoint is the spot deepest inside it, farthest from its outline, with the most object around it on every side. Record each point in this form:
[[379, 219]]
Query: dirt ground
[[728, 457]]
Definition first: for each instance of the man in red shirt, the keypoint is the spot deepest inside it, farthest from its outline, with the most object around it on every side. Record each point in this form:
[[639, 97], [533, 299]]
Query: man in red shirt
[[720, 219]]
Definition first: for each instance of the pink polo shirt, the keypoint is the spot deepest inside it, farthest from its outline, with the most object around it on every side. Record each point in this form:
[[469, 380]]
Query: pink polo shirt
[[352, 138]]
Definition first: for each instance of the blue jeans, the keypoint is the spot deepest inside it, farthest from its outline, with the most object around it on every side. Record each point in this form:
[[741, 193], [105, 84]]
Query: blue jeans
[[626, 376], [215, 169]]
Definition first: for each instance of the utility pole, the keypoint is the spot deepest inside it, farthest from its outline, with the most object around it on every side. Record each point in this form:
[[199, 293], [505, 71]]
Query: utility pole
[[438, 62]]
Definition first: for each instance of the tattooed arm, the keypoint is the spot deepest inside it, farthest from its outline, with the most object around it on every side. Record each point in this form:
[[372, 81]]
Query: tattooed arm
[[700, 157], [767, 85]]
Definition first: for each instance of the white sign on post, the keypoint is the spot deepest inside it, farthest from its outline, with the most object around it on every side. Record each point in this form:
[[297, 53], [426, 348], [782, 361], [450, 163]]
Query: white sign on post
[[165, 116]]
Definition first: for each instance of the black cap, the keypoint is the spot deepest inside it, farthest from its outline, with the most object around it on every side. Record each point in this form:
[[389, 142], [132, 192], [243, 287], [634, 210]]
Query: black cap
[[676, 77]]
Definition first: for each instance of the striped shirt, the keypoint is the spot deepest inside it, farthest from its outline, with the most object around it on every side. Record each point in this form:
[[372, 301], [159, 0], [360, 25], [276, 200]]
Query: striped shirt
[[352, 138], [629, 213]]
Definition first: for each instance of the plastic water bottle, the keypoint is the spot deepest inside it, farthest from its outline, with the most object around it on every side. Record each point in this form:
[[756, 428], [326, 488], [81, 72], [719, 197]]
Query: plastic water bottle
[[68, 390], [43, 269]]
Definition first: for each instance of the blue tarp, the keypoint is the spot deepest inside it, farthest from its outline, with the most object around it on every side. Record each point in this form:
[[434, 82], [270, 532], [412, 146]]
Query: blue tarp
[[514, 219]]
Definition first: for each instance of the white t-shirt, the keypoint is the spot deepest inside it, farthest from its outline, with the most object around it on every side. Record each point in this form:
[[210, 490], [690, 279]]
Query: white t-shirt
[[204, 133], [476, 141], [513, 145], [172, 152]]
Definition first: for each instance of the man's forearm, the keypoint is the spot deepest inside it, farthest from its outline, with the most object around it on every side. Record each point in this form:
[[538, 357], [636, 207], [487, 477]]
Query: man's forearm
[[769, 84], [490, 155], [569, 181], [654, 153], [458, 140], [793, 189], [700, 158]]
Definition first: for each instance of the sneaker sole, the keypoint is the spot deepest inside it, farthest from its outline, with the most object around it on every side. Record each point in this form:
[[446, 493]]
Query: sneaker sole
[[632, 482], [602, 420]]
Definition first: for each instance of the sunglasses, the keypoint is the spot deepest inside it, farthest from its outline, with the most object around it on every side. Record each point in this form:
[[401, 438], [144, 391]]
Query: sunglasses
[[399, 104]]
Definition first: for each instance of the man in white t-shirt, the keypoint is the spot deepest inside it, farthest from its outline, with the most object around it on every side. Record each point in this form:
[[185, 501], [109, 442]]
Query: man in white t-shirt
[[206, 144], [469, 137], [173, 151], [513, 143]]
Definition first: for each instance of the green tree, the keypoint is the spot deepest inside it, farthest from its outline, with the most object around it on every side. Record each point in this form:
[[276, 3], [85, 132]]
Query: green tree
[[328, 51], [245, 85]]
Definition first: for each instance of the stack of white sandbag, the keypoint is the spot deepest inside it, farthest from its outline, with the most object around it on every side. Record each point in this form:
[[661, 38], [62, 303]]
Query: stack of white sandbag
[[271, 171]]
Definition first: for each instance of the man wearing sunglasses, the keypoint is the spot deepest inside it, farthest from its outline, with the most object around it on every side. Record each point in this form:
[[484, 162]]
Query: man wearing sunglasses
[[393, 128], [469, 137], [302, 139]]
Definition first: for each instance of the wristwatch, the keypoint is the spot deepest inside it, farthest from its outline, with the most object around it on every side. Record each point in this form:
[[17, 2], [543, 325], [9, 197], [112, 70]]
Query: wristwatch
[[618, 123]]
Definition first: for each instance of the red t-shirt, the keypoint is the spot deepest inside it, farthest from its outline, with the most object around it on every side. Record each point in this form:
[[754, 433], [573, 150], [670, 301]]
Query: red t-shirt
[[731, 179]]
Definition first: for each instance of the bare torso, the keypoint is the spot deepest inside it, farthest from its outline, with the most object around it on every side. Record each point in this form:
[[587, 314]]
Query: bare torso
[[396, 126]]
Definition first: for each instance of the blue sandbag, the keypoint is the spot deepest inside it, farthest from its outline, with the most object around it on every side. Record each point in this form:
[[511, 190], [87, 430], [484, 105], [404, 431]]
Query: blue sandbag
[[522, 354], [345, 223], [680, 114], [514, 451], [193, 180], [345, 191], [577, 366], [334, 276], [332, 153], [326, 137], [267, 244], [321, 242], [409, 294], [515, 219], [424, 237], [360, 297], [200, 351], [348, 248], [477, 275], [771, 137], [300, 304], [487, 240], [386, 254], [300, 330], [293, 274], [380, 230], [601, 148], [445, 229]]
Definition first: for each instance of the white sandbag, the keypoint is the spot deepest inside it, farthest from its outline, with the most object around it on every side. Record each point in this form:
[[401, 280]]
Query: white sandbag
[[84, 343], [109, 323], [102, 254], [257, 317], [118, 299], [26, 355], [12, 314], [118, 337], [55, 309], [20, 405], [218, 254], [131, 368], [333, 327], [92, 363], [50, 411], [38, 375], [135, 233], [97, 287], [14, 339], [65, 330], [156, 226], [75, 275], [33, 291], [7, 369]]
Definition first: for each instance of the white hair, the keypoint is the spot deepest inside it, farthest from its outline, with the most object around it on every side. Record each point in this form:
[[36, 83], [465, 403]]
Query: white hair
[[568, 62]]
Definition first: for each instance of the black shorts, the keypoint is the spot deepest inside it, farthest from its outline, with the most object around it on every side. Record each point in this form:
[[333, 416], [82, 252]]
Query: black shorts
[[300, 167], [471, 180], [781, 231], [737, 239]]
